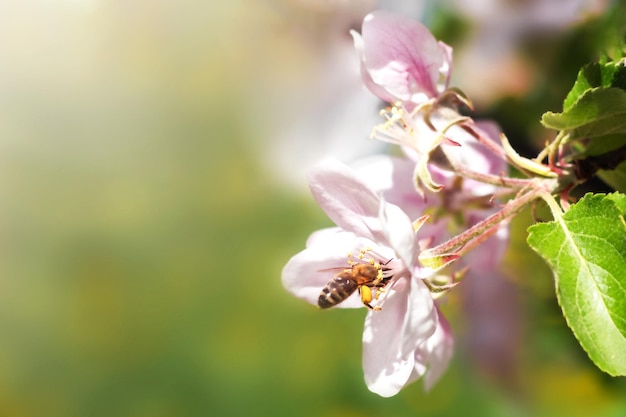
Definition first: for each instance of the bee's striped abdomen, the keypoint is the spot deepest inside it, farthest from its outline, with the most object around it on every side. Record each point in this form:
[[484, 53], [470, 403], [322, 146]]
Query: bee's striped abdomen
[[336, 291]]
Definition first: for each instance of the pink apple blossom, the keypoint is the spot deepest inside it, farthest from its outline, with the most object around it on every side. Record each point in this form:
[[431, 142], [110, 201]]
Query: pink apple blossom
[[405, 337], [456, 207], [420, 133], [402, 63], [401, 60], [461, 203]]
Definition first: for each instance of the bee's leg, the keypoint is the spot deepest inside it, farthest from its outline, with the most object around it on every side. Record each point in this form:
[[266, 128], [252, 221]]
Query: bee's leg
[[366, 297]]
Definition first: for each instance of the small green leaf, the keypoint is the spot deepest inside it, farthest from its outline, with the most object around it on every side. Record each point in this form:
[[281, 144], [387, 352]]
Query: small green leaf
[[609, 74], [620, 201], [586, 249], [600, 145], [615, 178], [594, 111], [597, 112]]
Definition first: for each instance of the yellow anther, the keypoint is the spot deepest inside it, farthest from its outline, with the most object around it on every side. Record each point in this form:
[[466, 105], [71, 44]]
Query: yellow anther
[[379, 291]]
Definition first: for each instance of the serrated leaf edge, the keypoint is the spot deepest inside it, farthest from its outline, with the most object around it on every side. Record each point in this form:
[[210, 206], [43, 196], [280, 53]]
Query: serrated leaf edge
[[558, 217]]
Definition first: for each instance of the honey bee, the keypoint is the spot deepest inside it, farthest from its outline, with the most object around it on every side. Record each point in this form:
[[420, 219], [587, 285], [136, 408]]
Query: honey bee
[[362, 277]]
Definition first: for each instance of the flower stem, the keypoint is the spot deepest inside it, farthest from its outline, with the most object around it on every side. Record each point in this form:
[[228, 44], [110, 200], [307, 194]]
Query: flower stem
[[497, 180], [557, 212], [492, 146], [538, 188]]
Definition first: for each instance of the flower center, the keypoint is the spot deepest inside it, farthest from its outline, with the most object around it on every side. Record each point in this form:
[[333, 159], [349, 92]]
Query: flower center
[[372, 273], [409, 128]]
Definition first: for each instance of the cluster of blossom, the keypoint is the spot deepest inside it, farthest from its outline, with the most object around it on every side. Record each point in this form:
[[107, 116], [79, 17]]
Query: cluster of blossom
[[410, 219]]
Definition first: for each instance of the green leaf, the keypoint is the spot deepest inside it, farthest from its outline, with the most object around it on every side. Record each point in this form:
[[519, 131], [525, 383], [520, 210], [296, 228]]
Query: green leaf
[[586, 249], [600, 145], [597, 112], [615, 178], [594, 111], [609, 74], [620, 201], [590, 76]]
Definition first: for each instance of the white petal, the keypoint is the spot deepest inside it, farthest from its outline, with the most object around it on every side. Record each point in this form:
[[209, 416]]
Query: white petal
[[392, 177], [307, 272], [346, 199], [385, 370], [332, 235], [391, 336], [399, 233], [440, 347], [433, 356], [420, 321]]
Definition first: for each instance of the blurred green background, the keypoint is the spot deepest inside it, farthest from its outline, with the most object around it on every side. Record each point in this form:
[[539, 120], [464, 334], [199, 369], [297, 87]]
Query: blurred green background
[[143, 233]]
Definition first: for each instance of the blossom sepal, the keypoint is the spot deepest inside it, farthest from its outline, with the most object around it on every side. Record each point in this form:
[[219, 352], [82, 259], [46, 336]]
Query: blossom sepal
[[525, 164], [423, 179], [437, 262], [440, 284], [417, 224], [453, 97]]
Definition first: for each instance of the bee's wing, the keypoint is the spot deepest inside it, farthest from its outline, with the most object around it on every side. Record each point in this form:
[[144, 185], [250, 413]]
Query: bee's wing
[[336, 269]]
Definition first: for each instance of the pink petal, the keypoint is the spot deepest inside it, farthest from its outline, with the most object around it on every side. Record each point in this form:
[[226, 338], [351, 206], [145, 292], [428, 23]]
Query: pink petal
[[473, 154], [494, 164], [392, 177], [447, 62], [401, 55], [347, 200], [376, 89]]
